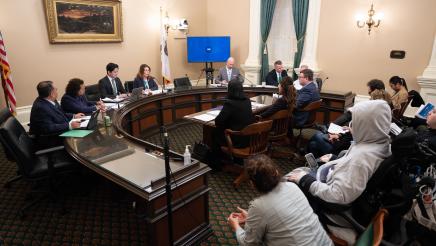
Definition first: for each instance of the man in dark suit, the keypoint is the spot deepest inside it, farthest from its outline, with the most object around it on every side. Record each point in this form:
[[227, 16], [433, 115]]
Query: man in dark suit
[[110, 85], [47, 117], [276, 75], [308, 93], [228, 73]]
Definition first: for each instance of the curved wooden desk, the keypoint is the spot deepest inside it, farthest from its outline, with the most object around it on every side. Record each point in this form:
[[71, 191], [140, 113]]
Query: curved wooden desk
[[118, 153]]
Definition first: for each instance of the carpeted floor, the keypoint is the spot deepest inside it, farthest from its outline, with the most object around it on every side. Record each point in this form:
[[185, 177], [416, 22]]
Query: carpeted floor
[[100, 213]]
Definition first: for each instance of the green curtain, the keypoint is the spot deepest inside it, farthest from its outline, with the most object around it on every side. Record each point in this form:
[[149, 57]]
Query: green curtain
[[266, 16], [299, 10]]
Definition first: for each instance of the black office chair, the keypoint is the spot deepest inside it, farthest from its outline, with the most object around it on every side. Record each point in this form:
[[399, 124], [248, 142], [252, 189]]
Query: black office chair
[[319, 83], [128, 85], [37, 166], [4, 115], [181, 83], [92, 93]]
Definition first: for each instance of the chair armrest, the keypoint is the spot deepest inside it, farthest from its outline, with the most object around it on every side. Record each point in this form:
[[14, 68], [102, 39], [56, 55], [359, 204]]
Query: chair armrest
[[50, 150], [227, 134]]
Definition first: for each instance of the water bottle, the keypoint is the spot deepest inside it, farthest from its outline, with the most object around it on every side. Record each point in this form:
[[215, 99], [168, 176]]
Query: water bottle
[[187, 156]]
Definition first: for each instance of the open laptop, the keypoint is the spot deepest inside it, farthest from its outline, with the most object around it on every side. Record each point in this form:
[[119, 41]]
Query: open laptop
[[91, 123], [136, 93]]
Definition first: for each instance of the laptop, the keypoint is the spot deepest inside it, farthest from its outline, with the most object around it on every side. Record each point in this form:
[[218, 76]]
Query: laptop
[[91, 123], [136, 93]]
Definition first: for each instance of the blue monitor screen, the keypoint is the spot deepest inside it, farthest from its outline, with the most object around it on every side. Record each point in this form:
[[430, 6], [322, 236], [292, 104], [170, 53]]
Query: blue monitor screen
[[208, 49]]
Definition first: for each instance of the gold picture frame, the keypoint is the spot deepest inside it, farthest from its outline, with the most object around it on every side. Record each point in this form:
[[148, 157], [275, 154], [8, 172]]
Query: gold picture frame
[[84, 21]]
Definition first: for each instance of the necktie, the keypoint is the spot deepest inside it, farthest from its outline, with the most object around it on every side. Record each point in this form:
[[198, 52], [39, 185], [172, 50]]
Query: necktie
[[145, 84], [279, 79], [229, 75], [114, 87]]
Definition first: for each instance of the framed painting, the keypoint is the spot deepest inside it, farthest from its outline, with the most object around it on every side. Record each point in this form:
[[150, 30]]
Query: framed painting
[[84, 21]]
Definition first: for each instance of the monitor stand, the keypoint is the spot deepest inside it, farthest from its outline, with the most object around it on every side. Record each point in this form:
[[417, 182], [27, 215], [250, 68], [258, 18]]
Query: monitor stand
[[209, 73]]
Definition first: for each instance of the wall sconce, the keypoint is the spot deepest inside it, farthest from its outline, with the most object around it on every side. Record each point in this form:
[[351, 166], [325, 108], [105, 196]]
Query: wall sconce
[[175, 24], [372, 21]]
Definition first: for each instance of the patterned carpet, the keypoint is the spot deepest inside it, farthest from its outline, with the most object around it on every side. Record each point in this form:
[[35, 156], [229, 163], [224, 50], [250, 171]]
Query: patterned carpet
[[100, 213]]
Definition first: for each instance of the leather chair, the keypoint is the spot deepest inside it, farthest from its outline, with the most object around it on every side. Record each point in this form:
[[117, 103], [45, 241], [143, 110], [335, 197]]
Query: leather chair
[[92, 93], [128, 85], [4, 115], [373, 234], [36, 167], [257, 134], [310, 122], [279, 130], [319, 82]]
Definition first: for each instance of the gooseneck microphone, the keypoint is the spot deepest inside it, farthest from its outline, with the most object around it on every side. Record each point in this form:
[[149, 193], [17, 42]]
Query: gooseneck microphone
[[249, 81], [166, 146]]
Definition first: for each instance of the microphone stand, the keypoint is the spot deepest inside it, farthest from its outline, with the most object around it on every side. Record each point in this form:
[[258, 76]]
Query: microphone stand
[[245, 78], [168, 185]]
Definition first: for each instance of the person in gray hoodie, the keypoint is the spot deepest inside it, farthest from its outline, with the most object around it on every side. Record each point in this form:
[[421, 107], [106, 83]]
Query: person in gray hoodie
[[347, 177]]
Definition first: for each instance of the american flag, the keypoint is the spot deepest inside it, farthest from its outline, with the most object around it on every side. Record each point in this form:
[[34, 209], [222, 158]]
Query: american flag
[[6, 78]]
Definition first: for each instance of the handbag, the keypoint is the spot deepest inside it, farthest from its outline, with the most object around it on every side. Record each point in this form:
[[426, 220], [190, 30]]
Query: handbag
[[201, 152]]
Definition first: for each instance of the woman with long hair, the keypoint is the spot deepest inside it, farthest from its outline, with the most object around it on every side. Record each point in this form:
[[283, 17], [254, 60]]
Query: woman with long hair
[[74, 100], [400, 95], [145, 80], [286, 99]]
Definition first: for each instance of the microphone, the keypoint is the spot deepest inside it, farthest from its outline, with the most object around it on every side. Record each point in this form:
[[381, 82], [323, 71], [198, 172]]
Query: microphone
[[245, 78]]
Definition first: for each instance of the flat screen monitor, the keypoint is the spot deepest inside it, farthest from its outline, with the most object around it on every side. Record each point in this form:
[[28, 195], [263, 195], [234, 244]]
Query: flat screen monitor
[[208, 49]]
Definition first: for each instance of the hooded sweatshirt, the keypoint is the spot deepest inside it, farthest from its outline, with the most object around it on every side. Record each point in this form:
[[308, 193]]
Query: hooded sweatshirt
[[346, 182]]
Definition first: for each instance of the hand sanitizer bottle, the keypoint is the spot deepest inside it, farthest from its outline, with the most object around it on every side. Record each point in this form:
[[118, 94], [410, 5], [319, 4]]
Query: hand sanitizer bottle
[[187, 156]]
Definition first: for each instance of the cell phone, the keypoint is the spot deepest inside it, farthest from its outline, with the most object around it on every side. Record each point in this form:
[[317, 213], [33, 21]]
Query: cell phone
[[311, 161]]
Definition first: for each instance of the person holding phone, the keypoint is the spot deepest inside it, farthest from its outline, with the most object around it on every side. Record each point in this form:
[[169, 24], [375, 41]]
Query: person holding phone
[[145, 80]]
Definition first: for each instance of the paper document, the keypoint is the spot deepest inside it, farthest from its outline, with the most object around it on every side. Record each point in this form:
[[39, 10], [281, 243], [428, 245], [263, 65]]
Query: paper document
[[84, 124], [76, 133], [335, 129], [256, 105], [214, 112], [115, 100], [424, 110], [205, 117], [396, 130]]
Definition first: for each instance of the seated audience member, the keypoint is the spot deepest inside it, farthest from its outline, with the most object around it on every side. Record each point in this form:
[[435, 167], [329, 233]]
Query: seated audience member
[[285, 101], [429, 135], [145, 80], [326, 143], [47, 117], [281, 215], [275, 76], [110, 85], [74, 100], [308, 93], [400, 95], [228, 73], [297, 84], [346, 178], [235, 114]]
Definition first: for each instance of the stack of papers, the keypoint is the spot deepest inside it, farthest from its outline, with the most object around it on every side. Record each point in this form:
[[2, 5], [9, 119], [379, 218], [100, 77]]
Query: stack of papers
[[336, 129], [208, 116], [255, 105], [424, 110], [115, 100], [395, 129]]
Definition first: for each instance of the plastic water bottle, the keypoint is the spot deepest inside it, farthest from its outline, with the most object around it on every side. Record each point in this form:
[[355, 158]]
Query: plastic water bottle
[[187, 156]]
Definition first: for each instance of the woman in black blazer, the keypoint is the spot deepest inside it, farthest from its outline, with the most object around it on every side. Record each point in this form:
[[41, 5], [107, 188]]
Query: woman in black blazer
[[74, 100], [145, 80], [235, 115], [286, 100]]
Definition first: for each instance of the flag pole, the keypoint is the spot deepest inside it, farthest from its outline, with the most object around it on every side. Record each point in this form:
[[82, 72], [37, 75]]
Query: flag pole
[[3, 84]]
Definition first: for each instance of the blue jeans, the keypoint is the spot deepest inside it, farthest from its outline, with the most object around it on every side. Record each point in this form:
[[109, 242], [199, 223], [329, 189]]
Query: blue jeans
[[319, 145]]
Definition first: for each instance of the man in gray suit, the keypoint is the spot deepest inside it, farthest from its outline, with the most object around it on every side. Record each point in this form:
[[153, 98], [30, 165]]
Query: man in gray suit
[[228, 73]]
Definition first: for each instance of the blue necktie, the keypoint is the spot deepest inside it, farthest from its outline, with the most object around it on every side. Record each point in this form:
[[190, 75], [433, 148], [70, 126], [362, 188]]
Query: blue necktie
[[145, 84]]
